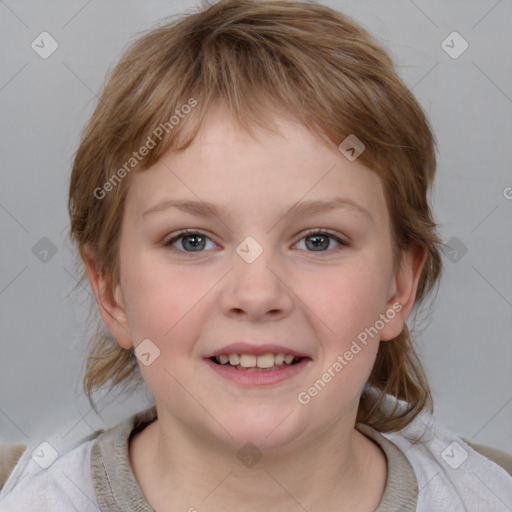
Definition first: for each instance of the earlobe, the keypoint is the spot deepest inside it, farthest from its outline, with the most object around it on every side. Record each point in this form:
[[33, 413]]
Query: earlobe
[[403, 293], [110, 302]]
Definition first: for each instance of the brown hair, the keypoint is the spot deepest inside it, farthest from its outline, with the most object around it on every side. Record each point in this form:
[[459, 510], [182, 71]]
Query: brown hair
[[256, 57]]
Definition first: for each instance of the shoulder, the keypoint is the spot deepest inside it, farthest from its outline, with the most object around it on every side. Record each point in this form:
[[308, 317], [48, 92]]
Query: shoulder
[[499, 457], [60, 474], [52, 477], [449, 470], [114, 482]]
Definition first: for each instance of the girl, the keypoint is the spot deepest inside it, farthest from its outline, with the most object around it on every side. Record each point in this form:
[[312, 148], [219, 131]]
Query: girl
[[250, 203]]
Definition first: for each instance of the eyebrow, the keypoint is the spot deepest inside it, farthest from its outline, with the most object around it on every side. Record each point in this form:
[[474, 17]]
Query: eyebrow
[[303, 208]]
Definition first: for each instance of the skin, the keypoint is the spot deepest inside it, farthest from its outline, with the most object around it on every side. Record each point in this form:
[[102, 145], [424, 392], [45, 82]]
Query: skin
[[316, 301]]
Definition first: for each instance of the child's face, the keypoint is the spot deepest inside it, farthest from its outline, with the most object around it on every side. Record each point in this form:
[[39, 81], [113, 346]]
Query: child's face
[[309, 294]]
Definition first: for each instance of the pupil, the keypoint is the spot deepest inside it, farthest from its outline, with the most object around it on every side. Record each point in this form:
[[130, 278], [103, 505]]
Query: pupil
[[196, 242], [319, 241]]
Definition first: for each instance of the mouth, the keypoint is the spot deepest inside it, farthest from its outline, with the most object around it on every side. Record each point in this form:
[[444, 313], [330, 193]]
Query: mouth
[[249, 365], [257, 363]]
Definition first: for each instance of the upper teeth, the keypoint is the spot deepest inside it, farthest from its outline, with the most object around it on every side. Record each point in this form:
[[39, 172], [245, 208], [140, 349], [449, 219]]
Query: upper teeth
[[251, 360]]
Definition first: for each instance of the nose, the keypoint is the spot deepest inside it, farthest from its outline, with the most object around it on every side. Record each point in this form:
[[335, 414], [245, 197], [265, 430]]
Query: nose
[[258, 290]]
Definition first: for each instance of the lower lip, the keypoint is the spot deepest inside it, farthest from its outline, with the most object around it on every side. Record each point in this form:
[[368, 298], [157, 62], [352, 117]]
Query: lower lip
[[258, 378]]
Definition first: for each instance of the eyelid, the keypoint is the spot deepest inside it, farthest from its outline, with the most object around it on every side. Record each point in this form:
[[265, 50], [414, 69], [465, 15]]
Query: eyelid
[[342, 238], [183, 232], [342, 241], [173, 237]]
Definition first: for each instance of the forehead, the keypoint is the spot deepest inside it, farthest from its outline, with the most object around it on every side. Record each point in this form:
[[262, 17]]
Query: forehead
[[271, 132], [228, 166]]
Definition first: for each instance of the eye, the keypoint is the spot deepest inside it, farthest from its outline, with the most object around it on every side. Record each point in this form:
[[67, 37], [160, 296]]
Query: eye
[[317, 240], [189, 241], [320, 241]]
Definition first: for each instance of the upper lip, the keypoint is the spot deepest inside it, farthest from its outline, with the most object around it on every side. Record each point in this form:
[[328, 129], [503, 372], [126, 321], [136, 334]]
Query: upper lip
[[257, 350]]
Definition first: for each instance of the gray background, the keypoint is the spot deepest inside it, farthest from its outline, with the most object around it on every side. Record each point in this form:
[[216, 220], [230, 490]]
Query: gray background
[[44, 104]]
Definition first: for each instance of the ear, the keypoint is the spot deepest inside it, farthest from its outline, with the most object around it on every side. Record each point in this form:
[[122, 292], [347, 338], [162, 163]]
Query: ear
[[110, 302], [402, 294]]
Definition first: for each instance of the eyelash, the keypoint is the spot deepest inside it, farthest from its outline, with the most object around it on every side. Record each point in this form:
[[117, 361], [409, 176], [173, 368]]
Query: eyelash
[[190, 232]]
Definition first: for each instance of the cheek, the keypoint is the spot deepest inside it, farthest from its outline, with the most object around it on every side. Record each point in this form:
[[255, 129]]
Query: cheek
[[164, 305], [347, 300], [162, 301], [346, 305]]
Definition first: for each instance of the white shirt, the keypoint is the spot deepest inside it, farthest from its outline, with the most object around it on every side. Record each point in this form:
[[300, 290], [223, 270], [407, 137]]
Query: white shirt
[[439, 473]]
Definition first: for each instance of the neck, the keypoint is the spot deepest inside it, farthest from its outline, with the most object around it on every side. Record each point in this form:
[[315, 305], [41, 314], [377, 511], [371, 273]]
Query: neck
[[339, 469]]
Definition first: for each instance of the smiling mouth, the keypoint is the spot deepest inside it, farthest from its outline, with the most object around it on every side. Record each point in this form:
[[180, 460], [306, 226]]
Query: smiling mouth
[[263, 363]]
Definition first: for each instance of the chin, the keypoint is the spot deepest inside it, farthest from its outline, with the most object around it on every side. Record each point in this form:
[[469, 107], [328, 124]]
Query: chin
[[268, 429]]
